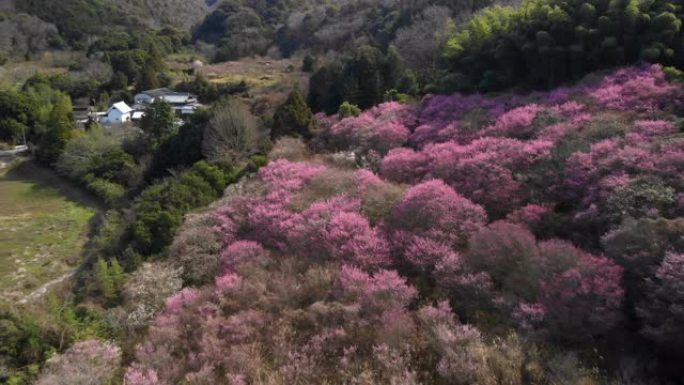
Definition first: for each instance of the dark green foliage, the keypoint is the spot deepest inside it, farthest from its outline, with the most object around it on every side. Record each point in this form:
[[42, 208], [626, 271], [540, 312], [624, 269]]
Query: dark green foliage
[[77, 20], [543, 43], [236, 29], [11, 131], [148, 79], [158, 122], [23, 344], [347, 110], [160, 208], [363, 81], [308, 63], [109, 277], [293, 118], [325, 89], [60, 129], [182, 149], [17, 111], [363, 78]]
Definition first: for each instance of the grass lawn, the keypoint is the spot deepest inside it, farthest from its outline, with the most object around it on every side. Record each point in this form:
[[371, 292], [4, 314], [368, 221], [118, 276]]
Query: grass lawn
[[43, 227]]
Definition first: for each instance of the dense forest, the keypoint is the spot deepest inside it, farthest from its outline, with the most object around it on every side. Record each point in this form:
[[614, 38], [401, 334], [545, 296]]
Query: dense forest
[[463, 192]]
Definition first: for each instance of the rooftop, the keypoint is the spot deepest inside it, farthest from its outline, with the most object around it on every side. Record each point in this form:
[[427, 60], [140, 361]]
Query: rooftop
[[123, 107]]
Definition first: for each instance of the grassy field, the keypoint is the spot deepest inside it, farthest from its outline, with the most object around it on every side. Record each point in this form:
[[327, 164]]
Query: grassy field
[[14, 74], [43, 227]]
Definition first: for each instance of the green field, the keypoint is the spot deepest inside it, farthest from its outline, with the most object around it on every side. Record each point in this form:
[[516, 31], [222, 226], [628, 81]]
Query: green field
[[43, 227]]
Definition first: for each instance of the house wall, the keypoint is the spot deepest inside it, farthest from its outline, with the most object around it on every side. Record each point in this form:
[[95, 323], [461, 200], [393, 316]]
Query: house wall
[[117, 117]]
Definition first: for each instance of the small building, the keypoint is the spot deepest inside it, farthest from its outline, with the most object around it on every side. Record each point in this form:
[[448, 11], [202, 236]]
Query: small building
[[165, 94], [119, 113]]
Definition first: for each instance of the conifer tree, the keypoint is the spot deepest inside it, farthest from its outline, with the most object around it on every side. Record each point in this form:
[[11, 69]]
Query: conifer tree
[[294, 117]]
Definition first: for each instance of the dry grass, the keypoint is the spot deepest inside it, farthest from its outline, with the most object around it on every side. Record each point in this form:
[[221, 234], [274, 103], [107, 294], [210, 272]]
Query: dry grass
[[42, 228], [267, 79], [14, 74]]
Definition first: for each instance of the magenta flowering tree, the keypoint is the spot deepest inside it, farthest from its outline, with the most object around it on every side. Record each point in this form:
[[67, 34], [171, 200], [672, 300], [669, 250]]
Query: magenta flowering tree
[[635, 89], [239, 252], [284, 177], [405, 165], [483, 170], [380, 129], [532, 215], [516, 123], [435, 211], [425, 254], [388, 135], [584, 300], [382, 291], [349, 237]]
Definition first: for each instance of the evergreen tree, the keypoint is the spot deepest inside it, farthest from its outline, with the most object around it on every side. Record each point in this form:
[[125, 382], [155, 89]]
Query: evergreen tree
[[104, 280], [325, 89], [158, 122], [294, 117], [362, 79], [148, 79]]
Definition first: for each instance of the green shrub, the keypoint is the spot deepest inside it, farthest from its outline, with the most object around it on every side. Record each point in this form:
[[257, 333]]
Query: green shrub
[[110, 192], [348, 110]]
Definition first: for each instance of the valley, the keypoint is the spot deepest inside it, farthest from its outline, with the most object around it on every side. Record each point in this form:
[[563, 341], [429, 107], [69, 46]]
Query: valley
[[44, 224], [353, 192]]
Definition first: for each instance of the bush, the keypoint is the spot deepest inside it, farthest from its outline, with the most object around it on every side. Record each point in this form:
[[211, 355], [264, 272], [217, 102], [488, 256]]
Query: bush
[[159, 209], [111, 193], [509, 254]]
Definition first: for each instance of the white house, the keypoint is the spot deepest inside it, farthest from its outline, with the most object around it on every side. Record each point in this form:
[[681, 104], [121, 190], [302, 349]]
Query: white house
[[119, 113]]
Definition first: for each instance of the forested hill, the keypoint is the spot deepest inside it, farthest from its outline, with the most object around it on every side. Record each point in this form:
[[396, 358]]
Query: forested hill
[[240, 28], [78, 19]]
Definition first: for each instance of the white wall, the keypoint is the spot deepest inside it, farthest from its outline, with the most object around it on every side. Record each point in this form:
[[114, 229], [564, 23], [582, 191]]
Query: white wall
[[116, 117]]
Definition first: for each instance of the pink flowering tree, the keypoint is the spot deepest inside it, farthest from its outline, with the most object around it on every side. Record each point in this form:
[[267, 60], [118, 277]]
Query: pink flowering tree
[[435, 211], [635, 89], [584, 300], [85, 363], [405, 165]]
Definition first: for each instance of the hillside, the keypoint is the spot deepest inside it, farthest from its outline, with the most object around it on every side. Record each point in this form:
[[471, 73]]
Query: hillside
[[76, 20], [473, 240], [244, 28], [355, 192]]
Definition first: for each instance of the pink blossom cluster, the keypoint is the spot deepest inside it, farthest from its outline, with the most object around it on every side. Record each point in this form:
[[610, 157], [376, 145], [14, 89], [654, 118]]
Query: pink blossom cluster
[[642, 89], [325, 272]]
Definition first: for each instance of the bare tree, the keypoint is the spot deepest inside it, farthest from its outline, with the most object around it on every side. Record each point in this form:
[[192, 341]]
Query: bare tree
[[233, 132], [422, 43]]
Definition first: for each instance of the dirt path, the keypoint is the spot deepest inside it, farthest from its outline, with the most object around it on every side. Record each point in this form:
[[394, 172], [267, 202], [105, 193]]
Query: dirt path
[[42, 290]]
